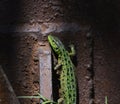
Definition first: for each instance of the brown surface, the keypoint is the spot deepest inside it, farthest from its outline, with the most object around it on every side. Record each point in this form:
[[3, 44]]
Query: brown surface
[[23, 66], [97, 63], [107, 68], [33, 11]]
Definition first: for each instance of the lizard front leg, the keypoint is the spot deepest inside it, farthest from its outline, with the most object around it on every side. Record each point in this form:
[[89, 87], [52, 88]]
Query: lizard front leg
[[60, 101], [58, 65], [72, 48]]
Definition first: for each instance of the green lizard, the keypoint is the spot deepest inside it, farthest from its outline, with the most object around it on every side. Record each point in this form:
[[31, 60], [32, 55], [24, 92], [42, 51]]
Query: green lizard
[[67, 77]]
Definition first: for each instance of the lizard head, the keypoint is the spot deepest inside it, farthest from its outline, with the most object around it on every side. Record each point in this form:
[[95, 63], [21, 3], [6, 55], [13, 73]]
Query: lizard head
[[55, 43]]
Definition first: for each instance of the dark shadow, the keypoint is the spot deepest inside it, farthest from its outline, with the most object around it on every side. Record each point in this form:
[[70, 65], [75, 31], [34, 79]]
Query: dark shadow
[[10, 12], [100, 14], [18, 74], [107, 16], [80, 11]]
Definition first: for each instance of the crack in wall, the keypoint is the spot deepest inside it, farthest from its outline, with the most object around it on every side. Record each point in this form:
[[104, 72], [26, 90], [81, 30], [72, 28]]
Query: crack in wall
[[90, 68]]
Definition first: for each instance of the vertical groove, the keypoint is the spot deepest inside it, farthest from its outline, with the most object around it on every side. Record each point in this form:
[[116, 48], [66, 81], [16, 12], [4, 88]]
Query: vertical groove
[[90, 39]]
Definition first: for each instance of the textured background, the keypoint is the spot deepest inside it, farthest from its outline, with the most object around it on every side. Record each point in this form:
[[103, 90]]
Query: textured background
[[93, 29]]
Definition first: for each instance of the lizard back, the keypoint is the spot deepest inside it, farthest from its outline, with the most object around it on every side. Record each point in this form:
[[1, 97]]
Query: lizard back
[[67, 75]]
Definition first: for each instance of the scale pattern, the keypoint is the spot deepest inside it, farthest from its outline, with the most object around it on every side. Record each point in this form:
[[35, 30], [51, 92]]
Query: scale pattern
[[67, 76]]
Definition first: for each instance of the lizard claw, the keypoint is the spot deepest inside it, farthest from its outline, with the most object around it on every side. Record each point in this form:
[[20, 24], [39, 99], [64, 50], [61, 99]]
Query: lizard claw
[[60, 101]]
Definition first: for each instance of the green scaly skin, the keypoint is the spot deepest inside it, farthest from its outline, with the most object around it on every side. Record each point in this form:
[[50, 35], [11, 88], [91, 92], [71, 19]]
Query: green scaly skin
[[67, 77]]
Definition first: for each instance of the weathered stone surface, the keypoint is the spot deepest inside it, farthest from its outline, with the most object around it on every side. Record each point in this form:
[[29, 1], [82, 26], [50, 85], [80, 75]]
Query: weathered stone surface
[[45, 69]]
